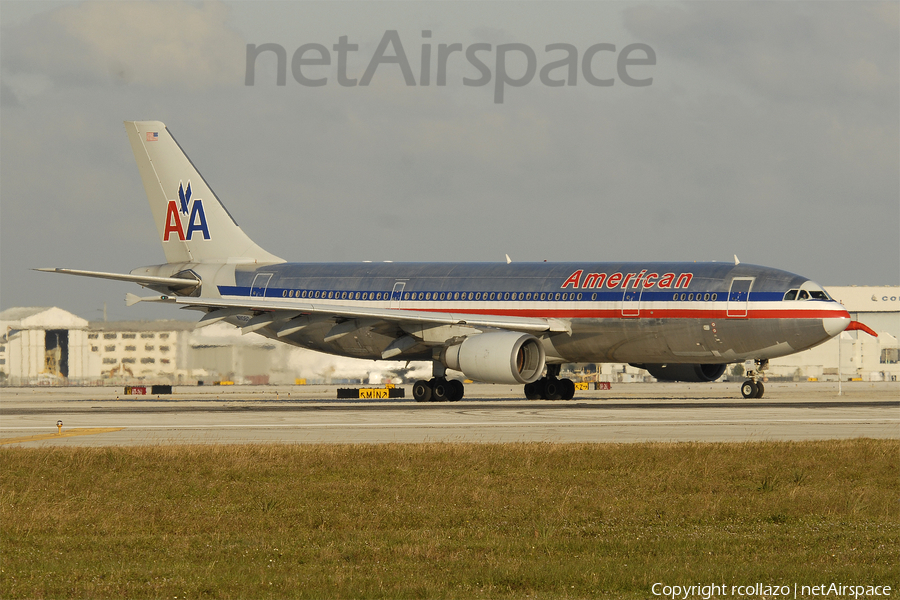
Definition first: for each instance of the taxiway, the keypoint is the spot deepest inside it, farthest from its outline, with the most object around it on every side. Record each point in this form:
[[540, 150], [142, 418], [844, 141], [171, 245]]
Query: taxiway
[[488, 414]]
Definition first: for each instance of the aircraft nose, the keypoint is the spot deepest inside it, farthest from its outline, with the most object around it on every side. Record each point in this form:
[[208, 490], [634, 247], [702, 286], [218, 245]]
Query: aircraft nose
[[835, 325]]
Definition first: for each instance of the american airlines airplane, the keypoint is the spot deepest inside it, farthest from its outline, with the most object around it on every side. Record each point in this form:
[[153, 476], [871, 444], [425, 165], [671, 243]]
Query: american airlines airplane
[[509, 323]]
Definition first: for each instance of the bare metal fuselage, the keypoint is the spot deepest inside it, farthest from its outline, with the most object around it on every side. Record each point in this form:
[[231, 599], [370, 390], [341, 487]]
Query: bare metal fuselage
[[698, 313]]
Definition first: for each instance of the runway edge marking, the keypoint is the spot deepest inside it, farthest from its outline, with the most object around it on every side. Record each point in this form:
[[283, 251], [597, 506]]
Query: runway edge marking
[[53, 436]]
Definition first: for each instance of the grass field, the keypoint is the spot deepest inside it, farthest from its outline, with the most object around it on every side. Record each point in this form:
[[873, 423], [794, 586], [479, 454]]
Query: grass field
[[445, 521]]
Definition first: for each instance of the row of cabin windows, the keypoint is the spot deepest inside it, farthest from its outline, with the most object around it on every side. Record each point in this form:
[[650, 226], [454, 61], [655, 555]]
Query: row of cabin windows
[[706, 297], [426, 296]]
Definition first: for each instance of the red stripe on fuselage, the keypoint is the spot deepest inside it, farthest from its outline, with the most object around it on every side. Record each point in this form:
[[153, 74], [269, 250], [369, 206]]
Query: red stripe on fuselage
[[645, 313]]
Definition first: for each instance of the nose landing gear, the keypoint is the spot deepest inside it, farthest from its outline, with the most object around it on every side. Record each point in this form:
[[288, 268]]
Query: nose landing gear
[[753, 387]]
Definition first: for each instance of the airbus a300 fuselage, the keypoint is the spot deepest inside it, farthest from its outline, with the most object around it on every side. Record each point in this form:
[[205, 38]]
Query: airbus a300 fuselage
[[501, 323]]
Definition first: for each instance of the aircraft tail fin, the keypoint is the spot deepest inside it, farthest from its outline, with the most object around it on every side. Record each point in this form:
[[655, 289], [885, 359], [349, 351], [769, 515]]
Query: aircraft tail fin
[[193, 225]]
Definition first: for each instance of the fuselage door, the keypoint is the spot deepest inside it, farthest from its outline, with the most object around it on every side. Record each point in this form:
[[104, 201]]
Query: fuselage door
[[739, 297], [260, 283], [397, 294], [631, 302]]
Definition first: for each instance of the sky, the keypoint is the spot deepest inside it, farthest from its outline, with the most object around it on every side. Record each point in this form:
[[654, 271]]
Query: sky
[[766, 130]]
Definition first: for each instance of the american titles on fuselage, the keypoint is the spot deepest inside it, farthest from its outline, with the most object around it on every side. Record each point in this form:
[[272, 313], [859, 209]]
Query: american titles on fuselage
[[637, 280]]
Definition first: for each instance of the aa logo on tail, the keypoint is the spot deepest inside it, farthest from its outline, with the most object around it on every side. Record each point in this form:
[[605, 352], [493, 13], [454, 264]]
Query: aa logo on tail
[[183, 206]]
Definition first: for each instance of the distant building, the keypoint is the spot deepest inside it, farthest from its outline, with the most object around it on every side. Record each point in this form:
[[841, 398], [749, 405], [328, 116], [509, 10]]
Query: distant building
[[145, 350], [44, 345], [220, 352], [47, 346], [50, 346]]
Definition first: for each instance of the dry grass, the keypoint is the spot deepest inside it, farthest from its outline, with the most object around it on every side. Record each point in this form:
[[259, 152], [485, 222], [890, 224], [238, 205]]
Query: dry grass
[[441, 520]]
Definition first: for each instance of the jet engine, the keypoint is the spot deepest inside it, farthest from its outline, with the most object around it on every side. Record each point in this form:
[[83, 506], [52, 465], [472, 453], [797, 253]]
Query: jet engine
[[677, 372], [497, 357]]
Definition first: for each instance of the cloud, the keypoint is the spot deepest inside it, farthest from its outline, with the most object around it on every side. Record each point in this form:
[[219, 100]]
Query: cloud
[[822, 52], [8, 98], [153, 44]]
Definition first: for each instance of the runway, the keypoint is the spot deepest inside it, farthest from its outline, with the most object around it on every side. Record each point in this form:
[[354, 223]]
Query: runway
[[488, 414]]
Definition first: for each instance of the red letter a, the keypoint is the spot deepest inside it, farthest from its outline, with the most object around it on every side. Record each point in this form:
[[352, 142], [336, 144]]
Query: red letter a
[[173, 222], [573, 279]]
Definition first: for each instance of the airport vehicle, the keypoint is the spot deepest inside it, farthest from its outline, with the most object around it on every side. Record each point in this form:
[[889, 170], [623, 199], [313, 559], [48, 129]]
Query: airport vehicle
[[511, 323]]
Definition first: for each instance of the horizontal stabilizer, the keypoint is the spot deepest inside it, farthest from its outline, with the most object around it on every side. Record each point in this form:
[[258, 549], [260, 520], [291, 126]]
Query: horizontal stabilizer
[[144, 280], [132, 299]]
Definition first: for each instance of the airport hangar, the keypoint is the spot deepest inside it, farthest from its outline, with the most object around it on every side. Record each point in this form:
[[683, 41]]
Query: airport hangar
[[50, 346]]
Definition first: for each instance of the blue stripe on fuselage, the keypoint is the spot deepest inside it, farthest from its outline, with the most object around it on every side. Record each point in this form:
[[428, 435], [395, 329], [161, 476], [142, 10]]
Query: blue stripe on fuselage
[[291, 280]]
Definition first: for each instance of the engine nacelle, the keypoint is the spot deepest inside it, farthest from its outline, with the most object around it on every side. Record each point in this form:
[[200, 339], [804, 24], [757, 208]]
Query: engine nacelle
[[498, 357], [678, 372]]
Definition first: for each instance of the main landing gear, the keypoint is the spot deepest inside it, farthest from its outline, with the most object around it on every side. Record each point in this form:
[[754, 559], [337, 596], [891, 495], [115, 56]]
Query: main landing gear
[[438, 388], [753, 387], [550, 387]]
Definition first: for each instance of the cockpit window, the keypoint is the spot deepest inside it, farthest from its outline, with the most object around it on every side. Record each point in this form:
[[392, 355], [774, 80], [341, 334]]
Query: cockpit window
[[807, 291], [815, 291]]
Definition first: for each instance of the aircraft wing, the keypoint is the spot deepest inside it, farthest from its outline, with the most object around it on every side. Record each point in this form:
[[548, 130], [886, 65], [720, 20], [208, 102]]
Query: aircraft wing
[[293, 316], [266, 307]]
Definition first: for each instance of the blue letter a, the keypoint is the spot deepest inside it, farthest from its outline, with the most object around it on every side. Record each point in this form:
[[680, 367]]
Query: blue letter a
[[197, 222]]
